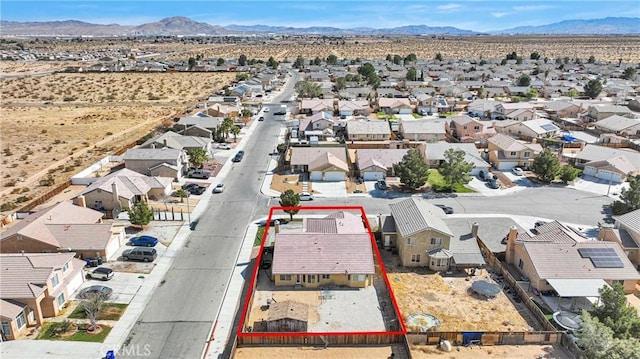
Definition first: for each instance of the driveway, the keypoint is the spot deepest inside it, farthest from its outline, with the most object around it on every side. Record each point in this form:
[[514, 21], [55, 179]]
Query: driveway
[[124, 285], [598, 186], [330, 189]]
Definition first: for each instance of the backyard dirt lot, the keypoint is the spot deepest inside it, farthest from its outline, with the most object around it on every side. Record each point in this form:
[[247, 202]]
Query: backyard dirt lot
[[498, 351], [55, 125]]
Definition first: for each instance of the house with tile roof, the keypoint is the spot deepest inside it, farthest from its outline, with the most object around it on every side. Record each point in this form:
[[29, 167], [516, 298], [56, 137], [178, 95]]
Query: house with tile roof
[[35, 286], [620, 125], [423, 130], [506, 152], [375, 164], [354, 108], [177, 141], [315, 105], [538, 128], [368, 130], [313, 260], [469, 129], [615, 169], [320, 124], [519, 111], [416, 228], [122, 189], [321, 163], [394, 105], [340, 222], [592, 152], [63, 227], [626, 232], [559, 259], [601, 111]]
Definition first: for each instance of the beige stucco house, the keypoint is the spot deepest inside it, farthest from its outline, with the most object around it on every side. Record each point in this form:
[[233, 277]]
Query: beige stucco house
[[163, 162], [625, 232], [35, 286], [506, 152]]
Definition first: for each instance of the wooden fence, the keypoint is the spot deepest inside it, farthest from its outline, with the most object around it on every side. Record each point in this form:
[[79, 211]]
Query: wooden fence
[[45, 197], [488, 338], [311, 339]]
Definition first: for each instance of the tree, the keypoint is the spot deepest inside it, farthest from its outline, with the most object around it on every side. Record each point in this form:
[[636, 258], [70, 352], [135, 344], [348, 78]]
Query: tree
[[572, 93], [245, 112], [235, 131], [613, 311], [272, 63], [591, 60], [412, 170], [629, 197], [593, 88], [92, 306], [512, 56], [545, 166], [366, 70], [411, 58], [192, 63], [389, 58], [182, 193], [197, 156], [630, 73], [412, 74], [332, 59], [455, 169], [317, 61], [438, 57], [397, 59], [225, 127], [568, 173], [532, 93], [534, 56], [308, 89], [299, 63], [243, 76], [594, 338], [220, 61], [140, 214], [524, 80], [290, 200], [242, 60]]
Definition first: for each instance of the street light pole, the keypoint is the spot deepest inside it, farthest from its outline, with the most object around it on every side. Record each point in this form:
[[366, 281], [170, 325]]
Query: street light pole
[[188, 208]]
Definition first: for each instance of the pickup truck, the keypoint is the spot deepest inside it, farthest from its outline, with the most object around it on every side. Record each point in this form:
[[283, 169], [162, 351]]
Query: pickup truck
[[199, 174]]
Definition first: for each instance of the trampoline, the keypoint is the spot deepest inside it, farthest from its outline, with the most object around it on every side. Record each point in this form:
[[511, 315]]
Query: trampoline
[[489, 290], [568, 320], [423, 322]]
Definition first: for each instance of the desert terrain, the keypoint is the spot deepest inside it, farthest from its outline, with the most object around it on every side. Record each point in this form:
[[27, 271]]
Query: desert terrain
[[54, 125]]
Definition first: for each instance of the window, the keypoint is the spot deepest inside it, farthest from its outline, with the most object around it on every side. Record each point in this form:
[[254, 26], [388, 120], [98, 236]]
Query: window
[[513, 153], [464, 127], [6, 328], [415, 258], [520, 264], [357, 277], [20, 320], [411, 242], [311, 278], [326, 276], [527, 154], [19, 237], [285, 277], [65, 268], [477, 128], [436, 241], [54, 280], [60, 300]]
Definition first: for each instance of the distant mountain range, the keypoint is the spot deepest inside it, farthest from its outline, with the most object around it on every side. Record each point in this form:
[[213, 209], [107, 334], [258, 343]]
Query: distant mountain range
[[180, 25]]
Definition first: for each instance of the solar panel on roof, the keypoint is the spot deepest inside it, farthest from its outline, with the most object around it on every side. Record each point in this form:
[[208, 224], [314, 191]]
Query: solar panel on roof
[[607, 262], [549, 127], [597, 252]]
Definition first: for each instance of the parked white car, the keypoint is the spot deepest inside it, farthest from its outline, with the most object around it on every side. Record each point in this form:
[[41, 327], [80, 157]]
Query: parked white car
[[306, 196], [223, 146], [517, 171], [219, 188]]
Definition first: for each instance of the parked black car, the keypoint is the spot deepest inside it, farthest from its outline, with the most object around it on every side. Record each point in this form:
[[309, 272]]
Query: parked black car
[[446, 209], [238, 157]]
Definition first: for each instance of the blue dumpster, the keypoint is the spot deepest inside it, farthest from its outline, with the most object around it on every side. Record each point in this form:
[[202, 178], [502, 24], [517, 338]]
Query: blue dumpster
[[110, 355]]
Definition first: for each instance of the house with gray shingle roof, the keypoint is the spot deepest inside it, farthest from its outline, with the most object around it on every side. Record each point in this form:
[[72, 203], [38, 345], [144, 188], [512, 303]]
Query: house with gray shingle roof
[[416, 228], [423, 130], [375, 164], [619, 125], [368, 130], [626, 232], [601, 111], [35, 286], [162, 162]]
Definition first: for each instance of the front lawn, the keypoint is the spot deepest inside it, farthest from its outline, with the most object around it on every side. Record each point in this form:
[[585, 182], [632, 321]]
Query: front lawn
[[61, 331], [109, 311], [259, 235], [438, 183]]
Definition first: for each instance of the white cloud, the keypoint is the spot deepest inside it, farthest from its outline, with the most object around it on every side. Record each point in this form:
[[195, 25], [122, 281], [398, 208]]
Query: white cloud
[[499, 14], [449, 7], [532, 7]]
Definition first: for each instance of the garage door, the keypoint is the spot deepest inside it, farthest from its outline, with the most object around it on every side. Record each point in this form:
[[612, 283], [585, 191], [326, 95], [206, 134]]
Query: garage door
[[610, 176], [505, 166], [316, 176], [590, 171], [373, 176], [334, 176], [75, 283]]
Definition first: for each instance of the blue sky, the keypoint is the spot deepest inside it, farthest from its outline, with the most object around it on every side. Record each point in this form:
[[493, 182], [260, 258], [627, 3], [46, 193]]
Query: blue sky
[[474, 15]]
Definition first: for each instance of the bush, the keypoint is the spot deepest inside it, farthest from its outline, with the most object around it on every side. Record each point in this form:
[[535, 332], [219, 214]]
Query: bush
[[47, 182], [22, 199], [619, 208], [7, 206]]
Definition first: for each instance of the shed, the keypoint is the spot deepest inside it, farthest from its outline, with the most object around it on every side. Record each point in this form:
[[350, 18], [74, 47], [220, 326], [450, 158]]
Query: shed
[[288, 316]]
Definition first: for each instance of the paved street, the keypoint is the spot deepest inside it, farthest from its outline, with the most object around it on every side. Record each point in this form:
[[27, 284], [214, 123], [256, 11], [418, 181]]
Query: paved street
[[561, 203], [177, 321]]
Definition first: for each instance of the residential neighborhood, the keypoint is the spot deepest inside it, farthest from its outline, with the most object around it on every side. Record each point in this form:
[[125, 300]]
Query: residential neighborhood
[[347, 202]]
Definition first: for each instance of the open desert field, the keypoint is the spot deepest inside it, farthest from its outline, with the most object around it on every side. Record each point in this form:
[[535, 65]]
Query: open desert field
[[54, 125]]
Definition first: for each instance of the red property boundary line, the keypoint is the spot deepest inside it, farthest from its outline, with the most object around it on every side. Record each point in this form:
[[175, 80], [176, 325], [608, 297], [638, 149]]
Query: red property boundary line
[[241, 333]]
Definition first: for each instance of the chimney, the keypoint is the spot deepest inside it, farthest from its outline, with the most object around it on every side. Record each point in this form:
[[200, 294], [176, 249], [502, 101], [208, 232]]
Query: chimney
[[80, 201], [164, 141], [474, 229], [116, 199], [276, 226], [511, 245]]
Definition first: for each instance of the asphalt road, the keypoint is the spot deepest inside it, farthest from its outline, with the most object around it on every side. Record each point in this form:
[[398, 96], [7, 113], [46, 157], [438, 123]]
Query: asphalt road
[[177, 320], [563, 204]]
